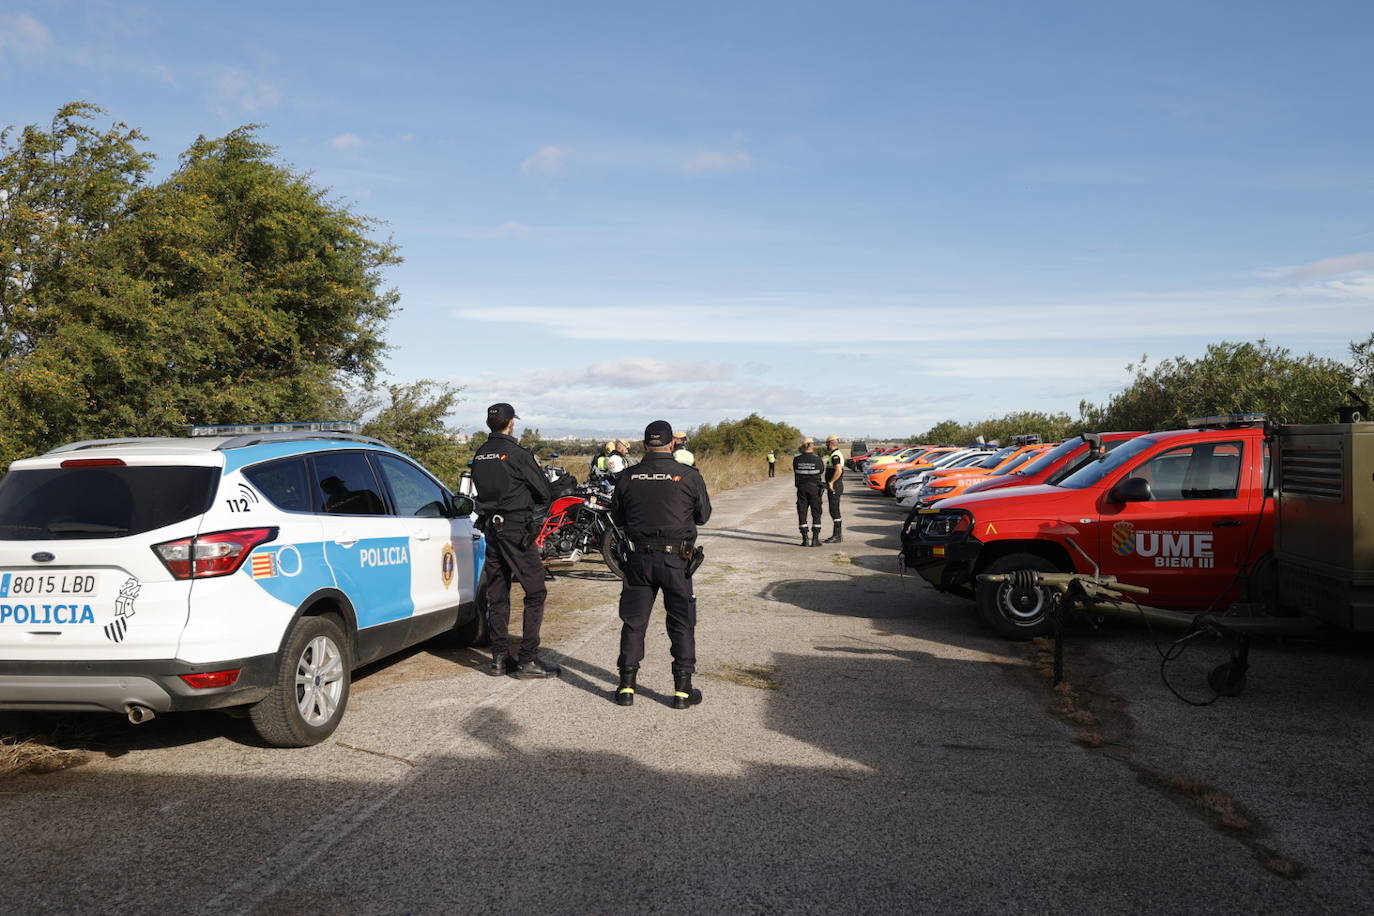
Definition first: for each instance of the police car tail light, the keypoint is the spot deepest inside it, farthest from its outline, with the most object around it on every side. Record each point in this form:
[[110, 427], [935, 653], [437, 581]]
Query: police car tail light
[[206, 556], [207, 679]]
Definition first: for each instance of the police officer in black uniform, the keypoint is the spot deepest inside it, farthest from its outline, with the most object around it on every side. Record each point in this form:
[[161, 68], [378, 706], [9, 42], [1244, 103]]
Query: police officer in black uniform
[[808, 473], [512, 500], [659, 503]]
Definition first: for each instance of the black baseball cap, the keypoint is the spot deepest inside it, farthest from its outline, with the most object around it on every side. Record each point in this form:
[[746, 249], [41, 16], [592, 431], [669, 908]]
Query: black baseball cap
[[501, 413], [658, 433]]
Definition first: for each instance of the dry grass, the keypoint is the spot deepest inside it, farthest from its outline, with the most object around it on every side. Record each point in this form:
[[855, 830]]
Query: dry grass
[[25, 755], [760, 677], [723, 472]]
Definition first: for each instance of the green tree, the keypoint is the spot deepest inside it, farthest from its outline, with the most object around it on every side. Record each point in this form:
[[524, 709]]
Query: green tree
[[413, 417], [1362, 368], [532, 440], [1228, 378], [752, 435], [232, 291], [61, 191], [1049, 427]]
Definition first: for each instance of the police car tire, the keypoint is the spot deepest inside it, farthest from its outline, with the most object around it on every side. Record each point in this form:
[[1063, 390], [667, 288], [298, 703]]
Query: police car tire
[[277, 719], [609, 545], [989, 597], [475, 633]]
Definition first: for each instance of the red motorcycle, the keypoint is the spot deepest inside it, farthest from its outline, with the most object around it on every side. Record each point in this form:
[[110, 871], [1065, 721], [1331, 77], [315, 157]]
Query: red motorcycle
[[580, 524]]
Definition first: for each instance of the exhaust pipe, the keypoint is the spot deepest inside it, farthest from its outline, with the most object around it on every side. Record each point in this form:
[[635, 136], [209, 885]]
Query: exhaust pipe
[[140, 714]]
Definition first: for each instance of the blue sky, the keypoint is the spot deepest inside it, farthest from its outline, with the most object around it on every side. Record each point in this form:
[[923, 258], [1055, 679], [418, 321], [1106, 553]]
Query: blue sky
[[860, 217]]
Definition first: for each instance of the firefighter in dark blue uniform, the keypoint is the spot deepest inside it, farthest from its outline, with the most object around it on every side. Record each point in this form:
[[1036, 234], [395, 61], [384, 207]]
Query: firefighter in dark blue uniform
[[808, 473], [512, 500], [659, 503]]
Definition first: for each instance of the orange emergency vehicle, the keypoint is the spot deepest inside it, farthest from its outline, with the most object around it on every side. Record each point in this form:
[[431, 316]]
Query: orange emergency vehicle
[[1184, 513]]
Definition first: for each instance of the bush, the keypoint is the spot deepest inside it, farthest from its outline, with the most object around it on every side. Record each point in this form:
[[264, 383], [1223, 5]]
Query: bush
[[753, 435]]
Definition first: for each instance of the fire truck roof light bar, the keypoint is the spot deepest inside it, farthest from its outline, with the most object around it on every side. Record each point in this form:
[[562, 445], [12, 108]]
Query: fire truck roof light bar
[[1225, 420]]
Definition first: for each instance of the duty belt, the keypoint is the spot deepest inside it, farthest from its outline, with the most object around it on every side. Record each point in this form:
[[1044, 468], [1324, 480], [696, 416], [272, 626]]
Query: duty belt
[[683, 547]]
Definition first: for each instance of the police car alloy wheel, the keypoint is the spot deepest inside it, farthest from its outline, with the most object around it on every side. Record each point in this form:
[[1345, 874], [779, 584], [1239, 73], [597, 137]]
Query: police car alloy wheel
[[1012, 612], [312, 686]]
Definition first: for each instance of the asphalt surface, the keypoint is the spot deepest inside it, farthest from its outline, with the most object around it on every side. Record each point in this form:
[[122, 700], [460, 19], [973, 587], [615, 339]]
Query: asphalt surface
[[864, 746]]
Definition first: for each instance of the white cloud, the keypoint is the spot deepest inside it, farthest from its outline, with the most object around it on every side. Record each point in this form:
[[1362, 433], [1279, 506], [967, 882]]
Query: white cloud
[[1085, 368], [717, 161], [348, 140], [246, 91], [407, 138], [1326, 268], [511, 229], [1347, 277], [23, 33], [619, 397], [550, 160]]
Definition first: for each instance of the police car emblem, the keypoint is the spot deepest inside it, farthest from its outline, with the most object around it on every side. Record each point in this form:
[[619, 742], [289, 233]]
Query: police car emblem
[[448, 565], [116, 629]]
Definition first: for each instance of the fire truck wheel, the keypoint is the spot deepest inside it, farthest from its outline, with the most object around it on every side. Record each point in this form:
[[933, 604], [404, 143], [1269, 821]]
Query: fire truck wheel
[[1011, 612]]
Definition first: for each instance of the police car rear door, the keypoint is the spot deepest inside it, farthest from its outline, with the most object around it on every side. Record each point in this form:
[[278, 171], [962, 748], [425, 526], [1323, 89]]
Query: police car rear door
[[440, 547], [368, 548]]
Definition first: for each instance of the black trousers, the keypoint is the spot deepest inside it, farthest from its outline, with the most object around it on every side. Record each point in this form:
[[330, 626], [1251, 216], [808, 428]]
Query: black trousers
[[772, 469], [646, 575], [509, 562], [832, 498], [809, 501]]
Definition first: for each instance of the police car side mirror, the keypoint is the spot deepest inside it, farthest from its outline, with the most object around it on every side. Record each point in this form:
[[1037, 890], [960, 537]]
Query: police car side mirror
[[461, 507], [1131, 490]]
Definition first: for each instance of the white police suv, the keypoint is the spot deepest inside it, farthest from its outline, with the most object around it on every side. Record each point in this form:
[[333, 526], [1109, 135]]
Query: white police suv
[[235, 569]]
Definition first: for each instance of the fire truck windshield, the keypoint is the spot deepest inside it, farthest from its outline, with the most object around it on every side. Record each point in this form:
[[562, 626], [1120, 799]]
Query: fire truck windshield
[[1093, 472]]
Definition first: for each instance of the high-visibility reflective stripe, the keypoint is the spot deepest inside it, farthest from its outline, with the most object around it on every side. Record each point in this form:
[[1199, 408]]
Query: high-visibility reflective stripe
[[626, 690], [679, 693]]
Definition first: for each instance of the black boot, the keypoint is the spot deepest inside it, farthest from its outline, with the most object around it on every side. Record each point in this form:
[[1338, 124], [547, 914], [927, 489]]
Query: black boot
[[835, 538], [536, 668], [816, 536], [684, 694], [805, 542], [625, 693], [501, 664]]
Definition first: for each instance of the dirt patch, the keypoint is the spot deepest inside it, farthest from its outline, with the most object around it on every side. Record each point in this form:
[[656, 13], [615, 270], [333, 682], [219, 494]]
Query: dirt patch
[[760, 677], [1223, 813], [1083, 700]]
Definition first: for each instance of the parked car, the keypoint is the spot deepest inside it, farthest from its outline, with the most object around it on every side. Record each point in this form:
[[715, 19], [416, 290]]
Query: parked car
[[1193, 500], [230, 570]]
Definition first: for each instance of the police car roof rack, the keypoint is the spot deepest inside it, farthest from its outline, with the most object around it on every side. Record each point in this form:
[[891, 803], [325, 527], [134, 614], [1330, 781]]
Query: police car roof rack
[[261, 438], [100, 443]]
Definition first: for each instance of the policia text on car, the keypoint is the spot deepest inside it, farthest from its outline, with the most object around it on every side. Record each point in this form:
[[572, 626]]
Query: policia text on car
[[659, 503], [512, 499], [808, 473]]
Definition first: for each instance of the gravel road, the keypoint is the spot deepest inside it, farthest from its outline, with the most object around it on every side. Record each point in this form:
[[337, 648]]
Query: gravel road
[[863, 747]]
